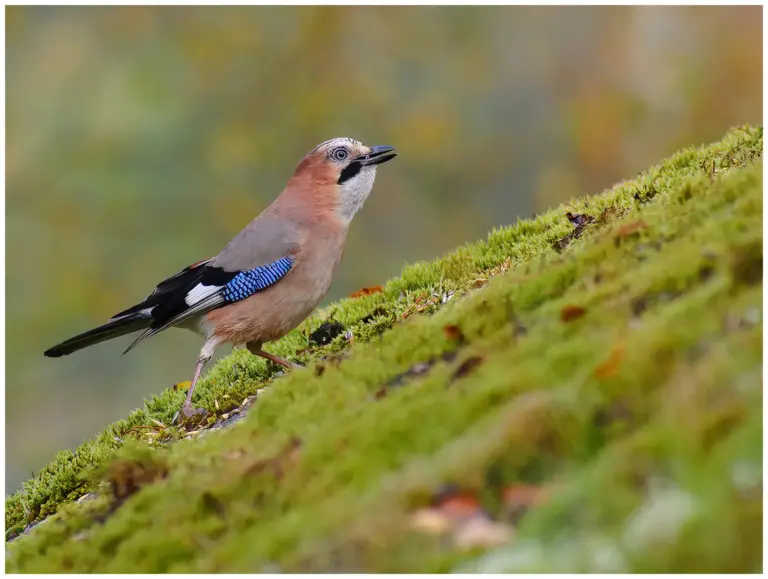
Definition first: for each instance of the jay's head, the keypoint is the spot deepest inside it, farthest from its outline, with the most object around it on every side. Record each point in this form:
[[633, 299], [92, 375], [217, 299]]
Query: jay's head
[[348, 165]]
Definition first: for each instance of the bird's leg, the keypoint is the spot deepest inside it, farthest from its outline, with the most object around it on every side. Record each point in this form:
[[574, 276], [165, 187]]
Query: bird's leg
[[255, 349], [206, 353], [187, 409]]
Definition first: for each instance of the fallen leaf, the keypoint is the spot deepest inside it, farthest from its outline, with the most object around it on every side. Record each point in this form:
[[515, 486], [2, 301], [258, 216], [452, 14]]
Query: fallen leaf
[[562, 243], [449, 507], [453, 332], [579, 219], [525, 495], [380, 393], [580, 222], [482, 532], [127, 476], [571, 313], [477, 530], [467, 366], [366, 291], [416, 370], [627, 229], [457, 504], [430, 521], [609, 367], [610, 213], [210, 503]]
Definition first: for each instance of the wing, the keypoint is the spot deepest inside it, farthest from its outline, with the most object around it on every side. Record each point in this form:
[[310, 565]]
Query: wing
[[179, 282], [203, 287], [259, 256]]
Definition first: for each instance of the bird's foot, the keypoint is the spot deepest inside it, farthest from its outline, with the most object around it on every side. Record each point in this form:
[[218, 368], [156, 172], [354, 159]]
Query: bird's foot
[[189, 411], [255, 349]]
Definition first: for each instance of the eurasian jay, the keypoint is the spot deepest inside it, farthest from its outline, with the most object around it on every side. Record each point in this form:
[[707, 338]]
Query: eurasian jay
[[271, 276]]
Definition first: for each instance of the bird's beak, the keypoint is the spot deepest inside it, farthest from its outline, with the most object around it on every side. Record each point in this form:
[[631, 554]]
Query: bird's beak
[[378, 154]]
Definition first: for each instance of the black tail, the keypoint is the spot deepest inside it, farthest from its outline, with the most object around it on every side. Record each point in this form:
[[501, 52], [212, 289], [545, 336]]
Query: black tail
[[113, 329]]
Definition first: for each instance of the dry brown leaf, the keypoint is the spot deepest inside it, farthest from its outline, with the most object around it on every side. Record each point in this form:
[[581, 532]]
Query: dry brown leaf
[[480, 531], [627, 229], [453, 332], [459, 506], [579, 219], [571, 313], [525, 495], [366, 291], [467, 366], [609, 367], [127, 476], [430, 521]]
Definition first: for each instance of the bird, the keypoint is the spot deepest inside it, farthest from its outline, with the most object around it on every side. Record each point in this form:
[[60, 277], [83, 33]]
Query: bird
[[270, 276]]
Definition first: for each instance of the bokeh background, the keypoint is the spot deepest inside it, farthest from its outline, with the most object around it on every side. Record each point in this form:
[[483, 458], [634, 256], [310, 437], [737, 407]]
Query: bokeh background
[[141, 139]]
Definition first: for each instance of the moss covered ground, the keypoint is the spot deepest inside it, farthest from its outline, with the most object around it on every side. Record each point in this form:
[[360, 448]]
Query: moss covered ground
[[580, 392]]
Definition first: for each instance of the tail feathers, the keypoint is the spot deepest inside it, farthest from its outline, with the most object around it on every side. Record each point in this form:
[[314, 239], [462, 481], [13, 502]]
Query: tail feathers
[[113, 329]]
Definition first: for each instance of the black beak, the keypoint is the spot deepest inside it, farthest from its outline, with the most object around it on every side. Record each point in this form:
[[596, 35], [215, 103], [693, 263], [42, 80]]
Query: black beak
[[379, 154]]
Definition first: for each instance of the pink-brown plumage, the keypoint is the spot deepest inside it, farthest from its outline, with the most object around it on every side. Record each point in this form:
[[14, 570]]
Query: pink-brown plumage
[[309, 200], [270, 314]]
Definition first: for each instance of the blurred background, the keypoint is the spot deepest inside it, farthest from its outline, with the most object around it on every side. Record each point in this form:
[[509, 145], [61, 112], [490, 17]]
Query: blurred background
[[141, 139]]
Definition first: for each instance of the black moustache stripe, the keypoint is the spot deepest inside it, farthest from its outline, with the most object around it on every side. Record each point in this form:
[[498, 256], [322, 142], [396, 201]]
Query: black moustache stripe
[[350, 171]]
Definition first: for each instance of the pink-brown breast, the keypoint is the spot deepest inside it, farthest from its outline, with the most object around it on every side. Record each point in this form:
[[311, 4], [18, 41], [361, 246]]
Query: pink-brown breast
[[270, 314]]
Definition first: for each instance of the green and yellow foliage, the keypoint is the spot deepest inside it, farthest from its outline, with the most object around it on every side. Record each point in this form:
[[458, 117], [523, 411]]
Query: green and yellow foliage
[[585, 384]]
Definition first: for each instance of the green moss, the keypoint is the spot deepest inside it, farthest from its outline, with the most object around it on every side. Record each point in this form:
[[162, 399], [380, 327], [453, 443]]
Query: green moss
[[650, 392]]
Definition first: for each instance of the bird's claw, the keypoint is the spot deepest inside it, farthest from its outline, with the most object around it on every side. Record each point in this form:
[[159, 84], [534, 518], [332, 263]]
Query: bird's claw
[[189, 411]]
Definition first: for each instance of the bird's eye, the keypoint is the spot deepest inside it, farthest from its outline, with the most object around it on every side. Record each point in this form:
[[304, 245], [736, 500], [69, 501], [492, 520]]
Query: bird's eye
[[339, 154]]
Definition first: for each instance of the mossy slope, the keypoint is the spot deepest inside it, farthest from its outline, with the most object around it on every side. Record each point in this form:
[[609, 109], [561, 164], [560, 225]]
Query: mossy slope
[[622, 369]]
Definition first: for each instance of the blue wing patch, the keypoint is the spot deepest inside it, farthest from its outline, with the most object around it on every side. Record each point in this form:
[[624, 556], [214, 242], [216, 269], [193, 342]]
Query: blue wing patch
[[248, 282]]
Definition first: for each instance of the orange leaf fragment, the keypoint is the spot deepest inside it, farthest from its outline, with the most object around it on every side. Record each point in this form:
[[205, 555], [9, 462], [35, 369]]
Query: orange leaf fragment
[[459, 506], [525, 495], [627, 229], [367, 291], [609, 367], [453, 332], [571, 313]]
